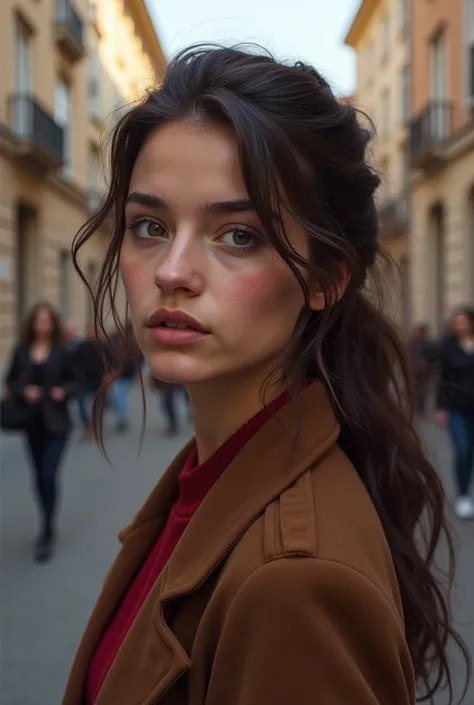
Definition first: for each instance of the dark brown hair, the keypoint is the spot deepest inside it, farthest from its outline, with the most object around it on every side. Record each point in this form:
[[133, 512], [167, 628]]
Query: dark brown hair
[[304, 152], [27, 336]]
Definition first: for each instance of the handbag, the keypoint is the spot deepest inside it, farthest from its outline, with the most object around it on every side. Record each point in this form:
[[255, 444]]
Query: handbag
[[14, 414]]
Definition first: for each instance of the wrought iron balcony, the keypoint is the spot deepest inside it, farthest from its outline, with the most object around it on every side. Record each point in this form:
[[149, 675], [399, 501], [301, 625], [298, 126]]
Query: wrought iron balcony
[[428, 132], [394, 215], [69, 30], [40, 140]]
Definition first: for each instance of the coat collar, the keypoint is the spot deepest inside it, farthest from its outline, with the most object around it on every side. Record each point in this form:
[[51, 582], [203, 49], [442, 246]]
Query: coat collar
[[270, 462]]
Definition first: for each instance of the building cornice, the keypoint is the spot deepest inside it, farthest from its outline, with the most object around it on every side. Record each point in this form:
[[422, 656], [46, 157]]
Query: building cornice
[[360, 22]]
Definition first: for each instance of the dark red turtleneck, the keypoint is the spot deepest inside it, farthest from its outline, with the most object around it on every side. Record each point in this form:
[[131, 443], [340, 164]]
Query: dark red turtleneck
[[195, 481]]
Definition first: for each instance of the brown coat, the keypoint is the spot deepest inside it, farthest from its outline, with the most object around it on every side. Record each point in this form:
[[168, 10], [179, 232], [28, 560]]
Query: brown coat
[[282, 590]]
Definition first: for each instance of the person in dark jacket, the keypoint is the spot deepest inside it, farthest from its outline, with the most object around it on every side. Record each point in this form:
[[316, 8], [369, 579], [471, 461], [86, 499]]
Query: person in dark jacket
[[124, 357], [43, 374], [423, 358], [89, 355], [456, 403]]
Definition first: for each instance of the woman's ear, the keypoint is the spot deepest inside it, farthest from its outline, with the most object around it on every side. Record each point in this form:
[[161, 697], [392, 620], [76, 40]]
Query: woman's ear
[[318, 299]]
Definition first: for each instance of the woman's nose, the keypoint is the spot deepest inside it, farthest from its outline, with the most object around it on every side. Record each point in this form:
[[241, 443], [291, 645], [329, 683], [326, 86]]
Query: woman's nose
[[179, 269]]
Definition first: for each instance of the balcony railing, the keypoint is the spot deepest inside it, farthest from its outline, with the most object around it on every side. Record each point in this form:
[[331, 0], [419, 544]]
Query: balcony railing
[[40, 138], [394, 213], [429, 130], [69, 29]]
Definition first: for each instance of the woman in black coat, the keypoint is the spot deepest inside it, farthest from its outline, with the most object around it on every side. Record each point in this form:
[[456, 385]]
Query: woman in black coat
[[42, 374], [455, 404]]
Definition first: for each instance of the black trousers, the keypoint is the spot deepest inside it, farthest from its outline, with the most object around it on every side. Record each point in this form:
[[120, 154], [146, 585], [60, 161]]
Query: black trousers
[[46, 451]]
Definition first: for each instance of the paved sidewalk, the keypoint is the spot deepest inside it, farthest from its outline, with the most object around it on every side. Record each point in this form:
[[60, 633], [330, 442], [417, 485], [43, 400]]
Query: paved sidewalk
[[44, 608]]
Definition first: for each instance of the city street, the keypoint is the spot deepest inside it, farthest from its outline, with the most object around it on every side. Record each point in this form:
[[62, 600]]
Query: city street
[[44, 607]]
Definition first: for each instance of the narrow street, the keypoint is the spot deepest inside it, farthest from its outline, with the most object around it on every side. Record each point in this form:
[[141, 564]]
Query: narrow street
[[45, 608]]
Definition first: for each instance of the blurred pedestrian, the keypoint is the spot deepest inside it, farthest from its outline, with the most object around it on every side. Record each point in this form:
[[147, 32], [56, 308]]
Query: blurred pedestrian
[[169, 394], [42, 373], [90, 359], [455, 403], [126, 359], [71, 335], [423, 360], [278, 560]]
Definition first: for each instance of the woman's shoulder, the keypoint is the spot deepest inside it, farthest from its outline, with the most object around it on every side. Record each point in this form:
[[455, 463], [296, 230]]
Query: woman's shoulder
[[328, 518]]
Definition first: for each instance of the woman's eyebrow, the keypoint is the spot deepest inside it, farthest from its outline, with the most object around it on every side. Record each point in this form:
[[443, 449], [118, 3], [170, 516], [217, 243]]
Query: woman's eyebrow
[[240, 205]]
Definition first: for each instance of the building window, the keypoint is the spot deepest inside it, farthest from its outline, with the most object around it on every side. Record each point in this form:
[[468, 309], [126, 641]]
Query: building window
[[470, 57], [93, 190], [64, 284], [93, 87], [63, 116], [22, 77], [22, 57], [385, 37], [405, 94], [439, 90], [385, 112]]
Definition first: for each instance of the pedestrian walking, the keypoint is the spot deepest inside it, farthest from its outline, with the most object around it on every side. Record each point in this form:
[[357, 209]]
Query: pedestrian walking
[[278, 559], [126, 360], [168, 394], [90, 358], [455, 403], [423, 354], [42, 378]]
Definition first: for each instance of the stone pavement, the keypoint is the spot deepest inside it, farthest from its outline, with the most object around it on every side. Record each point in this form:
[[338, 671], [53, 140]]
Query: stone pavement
[[44, 608]]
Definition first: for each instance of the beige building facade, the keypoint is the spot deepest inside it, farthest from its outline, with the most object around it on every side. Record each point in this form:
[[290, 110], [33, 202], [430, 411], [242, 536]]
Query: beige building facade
[[380, 37], [66, 68], [442, 159]]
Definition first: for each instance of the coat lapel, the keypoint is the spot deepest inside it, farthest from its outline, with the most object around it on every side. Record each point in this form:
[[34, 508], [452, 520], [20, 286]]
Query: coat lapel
[[280, 452]]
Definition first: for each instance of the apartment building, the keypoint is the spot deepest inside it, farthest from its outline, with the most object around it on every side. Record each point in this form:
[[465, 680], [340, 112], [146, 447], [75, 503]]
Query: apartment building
[[379, 35], [66, 68], [442, 158]]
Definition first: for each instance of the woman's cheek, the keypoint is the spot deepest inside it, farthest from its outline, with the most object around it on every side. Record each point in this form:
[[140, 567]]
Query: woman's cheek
[[134, 281], [270, 290]]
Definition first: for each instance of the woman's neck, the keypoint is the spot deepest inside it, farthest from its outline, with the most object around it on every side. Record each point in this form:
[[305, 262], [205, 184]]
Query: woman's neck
[[221, 408]]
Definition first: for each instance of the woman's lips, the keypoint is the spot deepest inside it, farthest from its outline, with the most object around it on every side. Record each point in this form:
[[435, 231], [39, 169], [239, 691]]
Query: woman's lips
[[165, 335]]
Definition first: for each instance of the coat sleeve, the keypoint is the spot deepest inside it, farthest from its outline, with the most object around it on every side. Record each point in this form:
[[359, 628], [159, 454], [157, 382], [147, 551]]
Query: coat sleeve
[[307, 631]]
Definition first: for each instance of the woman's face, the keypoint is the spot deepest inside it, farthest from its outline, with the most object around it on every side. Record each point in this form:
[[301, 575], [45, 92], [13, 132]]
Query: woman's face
[[193, 244], [43, 323], [461, 325]]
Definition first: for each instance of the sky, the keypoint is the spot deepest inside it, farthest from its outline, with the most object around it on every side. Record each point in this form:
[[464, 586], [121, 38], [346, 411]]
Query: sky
[[311, 30]]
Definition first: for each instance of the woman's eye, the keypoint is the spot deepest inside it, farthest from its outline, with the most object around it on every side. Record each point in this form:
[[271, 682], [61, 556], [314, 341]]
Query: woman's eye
[[240, 238], [147, 229]]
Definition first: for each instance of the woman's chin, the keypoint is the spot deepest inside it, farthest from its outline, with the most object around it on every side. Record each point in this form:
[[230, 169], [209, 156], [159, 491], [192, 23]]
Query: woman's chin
[[174, 371]]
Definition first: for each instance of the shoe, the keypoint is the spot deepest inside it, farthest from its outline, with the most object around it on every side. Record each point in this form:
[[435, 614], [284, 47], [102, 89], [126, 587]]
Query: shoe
[[464, 507], [121, 426], [44, 549], [171, 432]]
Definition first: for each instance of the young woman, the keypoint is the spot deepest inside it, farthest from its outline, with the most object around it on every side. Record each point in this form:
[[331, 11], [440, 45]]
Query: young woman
[[279, 558], [456, 403], [43, 374]]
